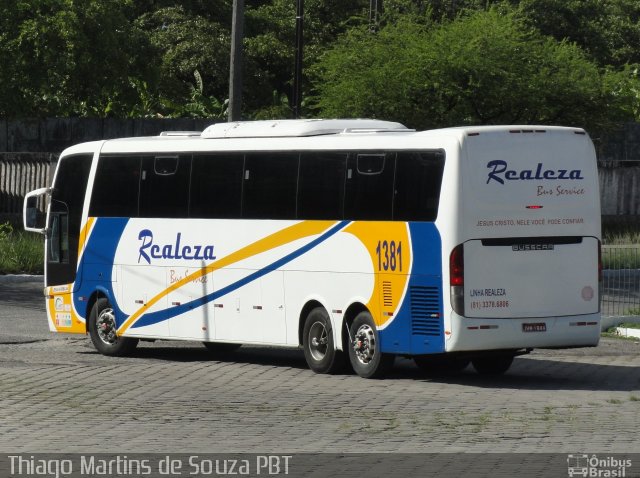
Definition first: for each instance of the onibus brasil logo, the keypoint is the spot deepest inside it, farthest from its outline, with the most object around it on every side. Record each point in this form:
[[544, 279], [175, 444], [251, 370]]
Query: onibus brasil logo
[[597, 467]]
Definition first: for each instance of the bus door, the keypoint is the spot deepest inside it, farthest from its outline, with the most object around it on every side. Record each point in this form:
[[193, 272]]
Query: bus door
[[63, 242], [64, 221]]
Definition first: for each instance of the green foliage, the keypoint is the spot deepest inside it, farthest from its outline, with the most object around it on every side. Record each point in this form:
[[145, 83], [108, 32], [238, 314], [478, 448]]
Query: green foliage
[[487, 67], [270, 45], [61, 57], [185, 42], [202, 106], [433, 10], [621, 258], [426, 63], [608, 30], [621, 234], [20, 252]]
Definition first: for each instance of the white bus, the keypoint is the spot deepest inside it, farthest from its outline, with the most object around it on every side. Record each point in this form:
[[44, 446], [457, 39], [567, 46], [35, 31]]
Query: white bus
[[357, 240]]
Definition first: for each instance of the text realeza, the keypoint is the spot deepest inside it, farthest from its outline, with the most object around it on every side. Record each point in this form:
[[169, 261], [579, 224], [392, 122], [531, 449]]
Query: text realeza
[[500, 172], [190, 252]]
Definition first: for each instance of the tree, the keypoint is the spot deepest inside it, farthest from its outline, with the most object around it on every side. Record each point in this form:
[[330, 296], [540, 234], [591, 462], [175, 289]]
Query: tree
[[608, 30], [270, 46], [186, 43], [487, 67], [62, 57]]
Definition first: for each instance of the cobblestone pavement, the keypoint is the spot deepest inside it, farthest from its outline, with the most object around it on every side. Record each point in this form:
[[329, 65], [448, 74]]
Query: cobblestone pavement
[[58, 395]]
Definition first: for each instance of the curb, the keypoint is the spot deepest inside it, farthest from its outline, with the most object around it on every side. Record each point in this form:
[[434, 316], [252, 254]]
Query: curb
[[628, 332], [20, 278]]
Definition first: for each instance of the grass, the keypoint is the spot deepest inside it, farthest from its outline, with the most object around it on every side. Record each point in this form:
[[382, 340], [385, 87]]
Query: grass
[[612, 333], [621, 258], [620, 234], [20, 252]]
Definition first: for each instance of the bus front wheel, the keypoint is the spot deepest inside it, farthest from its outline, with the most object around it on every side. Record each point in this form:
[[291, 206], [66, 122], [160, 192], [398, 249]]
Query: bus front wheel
[[102, 330], [364, 348], [318, 344]]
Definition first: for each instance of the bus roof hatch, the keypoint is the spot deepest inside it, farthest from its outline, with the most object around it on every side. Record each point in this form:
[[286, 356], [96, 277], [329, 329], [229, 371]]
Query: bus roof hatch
[[293, 128]]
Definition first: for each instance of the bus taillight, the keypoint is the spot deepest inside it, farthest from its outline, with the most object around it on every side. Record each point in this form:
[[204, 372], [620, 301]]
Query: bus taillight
[[456, 279], [456, 266]]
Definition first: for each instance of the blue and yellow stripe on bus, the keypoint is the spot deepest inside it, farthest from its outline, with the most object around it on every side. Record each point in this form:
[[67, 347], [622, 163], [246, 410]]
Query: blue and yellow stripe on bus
[[389, 246]]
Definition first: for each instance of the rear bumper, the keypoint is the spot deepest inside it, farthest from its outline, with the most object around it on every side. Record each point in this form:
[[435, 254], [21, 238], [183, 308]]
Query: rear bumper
[[470, 334]]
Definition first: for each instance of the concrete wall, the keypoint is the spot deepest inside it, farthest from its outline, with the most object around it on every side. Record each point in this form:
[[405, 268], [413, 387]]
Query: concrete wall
[[619, 170], [620, 190], [52, 135]]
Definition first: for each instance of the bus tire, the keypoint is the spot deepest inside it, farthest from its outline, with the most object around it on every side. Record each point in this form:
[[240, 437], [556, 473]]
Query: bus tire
[[439, 365], [318, 344], [102, 330], [492, 364], [364, 348], [221, 348]]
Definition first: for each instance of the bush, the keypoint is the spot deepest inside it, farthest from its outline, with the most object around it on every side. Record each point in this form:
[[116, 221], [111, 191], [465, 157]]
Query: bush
[[487, 67], [20, 252]]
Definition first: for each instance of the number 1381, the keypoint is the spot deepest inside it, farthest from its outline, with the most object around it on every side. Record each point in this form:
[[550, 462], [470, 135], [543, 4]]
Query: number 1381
[[389, 255]]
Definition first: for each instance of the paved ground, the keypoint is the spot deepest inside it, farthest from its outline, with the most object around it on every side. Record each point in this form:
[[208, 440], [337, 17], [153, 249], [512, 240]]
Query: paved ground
[[58, 395]]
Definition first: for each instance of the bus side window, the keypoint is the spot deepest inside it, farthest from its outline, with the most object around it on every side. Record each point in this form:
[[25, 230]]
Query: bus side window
[[369, 186], [417, 187], [58, 235], [270, 183], [116, 187], [164, 186], [216, 186], [321, 185]]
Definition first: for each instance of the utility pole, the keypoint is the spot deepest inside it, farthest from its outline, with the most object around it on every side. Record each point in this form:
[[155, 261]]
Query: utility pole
[[297, 78], [235, 69]]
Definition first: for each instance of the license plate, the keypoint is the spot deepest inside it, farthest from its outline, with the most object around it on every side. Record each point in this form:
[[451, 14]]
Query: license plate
[[539, 327]]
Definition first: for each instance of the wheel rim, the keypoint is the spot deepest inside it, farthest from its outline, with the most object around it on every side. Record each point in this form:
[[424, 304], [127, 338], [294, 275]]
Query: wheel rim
[[318, 341], [364, 344], [106, 327]]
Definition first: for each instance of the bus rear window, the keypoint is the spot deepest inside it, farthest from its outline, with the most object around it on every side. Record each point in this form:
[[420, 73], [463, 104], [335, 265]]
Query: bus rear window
[[417, 185]]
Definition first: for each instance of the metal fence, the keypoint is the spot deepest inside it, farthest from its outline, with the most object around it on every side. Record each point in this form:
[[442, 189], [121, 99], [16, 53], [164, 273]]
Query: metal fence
[[19, 174], [621, 281]]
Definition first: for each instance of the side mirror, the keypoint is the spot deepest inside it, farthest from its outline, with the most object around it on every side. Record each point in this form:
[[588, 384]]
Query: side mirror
[[33, 217]]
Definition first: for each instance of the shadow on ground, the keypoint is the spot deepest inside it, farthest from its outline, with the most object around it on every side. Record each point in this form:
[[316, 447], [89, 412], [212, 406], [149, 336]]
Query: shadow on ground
[[526, 373]]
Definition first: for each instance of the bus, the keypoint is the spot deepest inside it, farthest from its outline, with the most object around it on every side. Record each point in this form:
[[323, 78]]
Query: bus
[[355, 240]]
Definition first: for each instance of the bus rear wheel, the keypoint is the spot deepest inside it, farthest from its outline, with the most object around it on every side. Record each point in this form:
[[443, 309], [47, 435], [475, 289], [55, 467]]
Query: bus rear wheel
[[317, 342], [365, 355], [102, 330], [492, 364]]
